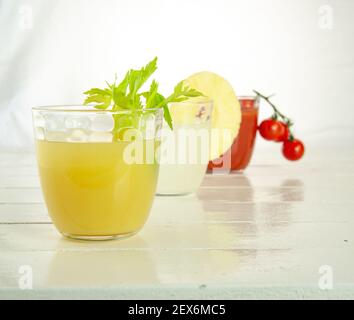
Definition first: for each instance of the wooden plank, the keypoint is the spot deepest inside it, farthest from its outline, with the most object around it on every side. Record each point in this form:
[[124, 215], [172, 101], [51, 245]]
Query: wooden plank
[[187, 237], [193, 209], [195, 273], [324, 194]]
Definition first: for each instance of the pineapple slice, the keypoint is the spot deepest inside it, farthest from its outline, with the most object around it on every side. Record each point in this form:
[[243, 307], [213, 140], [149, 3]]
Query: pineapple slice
[[226, 118]]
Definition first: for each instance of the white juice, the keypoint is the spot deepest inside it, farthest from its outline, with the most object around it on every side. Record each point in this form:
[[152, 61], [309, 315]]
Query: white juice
[[180, 179], [184, 160]]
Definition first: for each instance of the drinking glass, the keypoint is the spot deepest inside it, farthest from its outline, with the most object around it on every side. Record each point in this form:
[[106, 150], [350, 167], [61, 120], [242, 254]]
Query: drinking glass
[[98, 168], [185, 150], [238, 157]]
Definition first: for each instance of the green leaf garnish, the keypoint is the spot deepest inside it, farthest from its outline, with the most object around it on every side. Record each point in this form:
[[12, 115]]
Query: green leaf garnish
[[180, 94], [126, 96], [102, 98]]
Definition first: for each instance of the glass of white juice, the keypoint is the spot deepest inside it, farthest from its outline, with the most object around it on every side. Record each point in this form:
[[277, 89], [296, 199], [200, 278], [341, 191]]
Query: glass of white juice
[[185, 149], [95, 184]]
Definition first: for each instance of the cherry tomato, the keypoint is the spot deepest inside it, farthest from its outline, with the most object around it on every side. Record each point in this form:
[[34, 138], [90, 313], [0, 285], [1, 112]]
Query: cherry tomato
[[273, 130], [285, 133], [293, 150]]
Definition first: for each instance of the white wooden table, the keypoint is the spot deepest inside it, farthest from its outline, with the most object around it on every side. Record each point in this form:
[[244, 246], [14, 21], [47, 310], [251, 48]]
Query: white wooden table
[[264, 234]]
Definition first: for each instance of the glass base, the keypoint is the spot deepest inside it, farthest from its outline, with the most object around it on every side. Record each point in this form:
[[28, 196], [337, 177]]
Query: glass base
[[99, 238]]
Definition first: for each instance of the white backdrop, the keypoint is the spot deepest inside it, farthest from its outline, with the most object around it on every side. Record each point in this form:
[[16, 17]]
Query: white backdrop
[[52, 50]]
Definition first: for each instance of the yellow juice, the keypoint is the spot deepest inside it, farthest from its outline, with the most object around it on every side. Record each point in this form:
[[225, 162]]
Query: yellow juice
[[90, 191]]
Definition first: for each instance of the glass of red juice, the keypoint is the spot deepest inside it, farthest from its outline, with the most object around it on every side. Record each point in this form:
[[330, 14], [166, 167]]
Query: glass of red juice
[[238, 157]]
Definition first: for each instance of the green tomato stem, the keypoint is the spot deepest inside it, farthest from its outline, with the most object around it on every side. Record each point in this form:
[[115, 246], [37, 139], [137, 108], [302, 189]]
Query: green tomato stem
[[276, 110], [277, 113]]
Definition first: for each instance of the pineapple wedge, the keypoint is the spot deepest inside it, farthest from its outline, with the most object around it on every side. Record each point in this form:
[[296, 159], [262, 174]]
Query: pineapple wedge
[[226, 118]]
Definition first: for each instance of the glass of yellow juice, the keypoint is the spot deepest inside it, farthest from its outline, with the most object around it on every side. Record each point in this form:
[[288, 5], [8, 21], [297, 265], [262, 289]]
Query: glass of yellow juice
[[97, 168]]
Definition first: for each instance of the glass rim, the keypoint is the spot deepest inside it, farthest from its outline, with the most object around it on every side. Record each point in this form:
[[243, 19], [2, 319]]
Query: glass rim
[[248, 97], [89, 109], [255, 100]]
